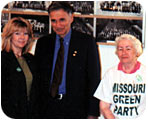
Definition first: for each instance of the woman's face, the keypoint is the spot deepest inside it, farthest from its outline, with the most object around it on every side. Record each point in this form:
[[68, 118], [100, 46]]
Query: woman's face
[[20, 39], [126, 52]]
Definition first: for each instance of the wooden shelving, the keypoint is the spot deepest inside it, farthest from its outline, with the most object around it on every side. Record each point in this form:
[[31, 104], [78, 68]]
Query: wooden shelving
[[27, 12], [110, 17], [30, 12]]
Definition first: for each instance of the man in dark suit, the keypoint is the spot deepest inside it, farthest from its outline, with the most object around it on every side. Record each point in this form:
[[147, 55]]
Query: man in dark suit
[[81, 71]]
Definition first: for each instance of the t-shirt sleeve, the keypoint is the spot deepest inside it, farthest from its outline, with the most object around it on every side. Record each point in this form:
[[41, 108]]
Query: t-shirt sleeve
[[104, 90]]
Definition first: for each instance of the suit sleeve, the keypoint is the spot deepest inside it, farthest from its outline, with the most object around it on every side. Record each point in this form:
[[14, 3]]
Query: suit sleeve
[[93, 76]]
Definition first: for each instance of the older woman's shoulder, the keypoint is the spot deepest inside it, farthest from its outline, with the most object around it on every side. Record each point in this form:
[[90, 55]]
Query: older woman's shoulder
[[143, 67]]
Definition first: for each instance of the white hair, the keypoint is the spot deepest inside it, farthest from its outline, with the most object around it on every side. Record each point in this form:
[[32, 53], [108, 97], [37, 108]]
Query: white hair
[[136, 42]]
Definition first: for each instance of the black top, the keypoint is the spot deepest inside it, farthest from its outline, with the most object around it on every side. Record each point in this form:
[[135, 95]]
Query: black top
[[13, 84]]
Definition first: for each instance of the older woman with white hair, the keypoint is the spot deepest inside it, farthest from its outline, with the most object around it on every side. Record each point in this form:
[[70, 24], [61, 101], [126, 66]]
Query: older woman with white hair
[[122, 89]]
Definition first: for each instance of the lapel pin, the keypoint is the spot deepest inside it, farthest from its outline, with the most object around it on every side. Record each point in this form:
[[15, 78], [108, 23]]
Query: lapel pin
[[75, 52]]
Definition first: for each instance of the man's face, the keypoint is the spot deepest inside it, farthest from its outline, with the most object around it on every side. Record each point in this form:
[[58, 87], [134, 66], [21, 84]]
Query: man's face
[[61, 22]]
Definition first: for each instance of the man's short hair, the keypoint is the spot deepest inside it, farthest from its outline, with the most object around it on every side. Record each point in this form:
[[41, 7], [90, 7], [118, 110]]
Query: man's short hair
[[57, 5]]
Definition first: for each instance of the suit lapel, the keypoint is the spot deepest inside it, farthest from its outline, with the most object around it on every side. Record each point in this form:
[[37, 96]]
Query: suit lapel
[[14, 61], [72, 48], [16, 68]]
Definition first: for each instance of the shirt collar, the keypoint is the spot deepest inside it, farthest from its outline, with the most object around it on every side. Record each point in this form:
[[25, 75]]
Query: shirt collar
[[133, 71], [66, 38]]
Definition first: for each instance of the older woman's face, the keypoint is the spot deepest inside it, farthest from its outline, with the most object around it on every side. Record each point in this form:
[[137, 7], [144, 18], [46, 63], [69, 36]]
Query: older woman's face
[[126, 51], [20, 39]]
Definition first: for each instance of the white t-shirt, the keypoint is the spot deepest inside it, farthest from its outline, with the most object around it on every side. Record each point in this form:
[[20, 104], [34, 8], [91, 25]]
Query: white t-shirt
[[125, 92]]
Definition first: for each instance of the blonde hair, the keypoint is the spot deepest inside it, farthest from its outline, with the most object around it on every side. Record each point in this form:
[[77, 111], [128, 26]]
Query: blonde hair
[[136, 42], [13, 25]]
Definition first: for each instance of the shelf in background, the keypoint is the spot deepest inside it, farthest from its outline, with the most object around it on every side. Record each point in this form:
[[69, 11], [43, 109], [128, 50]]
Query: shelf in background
[[106, 43], [110, 17], [91, 17], [26, 12], [75, 15]]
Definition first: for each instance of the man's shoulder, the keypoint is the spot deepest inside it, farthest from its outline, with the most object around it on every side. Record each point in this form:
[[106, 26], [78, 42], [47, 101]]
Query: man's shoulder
[[47, 36], [46, 39], [81, 35]]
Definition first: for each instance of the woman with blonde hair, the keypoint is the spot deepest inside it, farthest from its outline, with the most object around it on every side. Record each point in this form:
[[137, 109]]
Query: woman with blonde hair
[[122, 89], [15, 25], [18, 70]]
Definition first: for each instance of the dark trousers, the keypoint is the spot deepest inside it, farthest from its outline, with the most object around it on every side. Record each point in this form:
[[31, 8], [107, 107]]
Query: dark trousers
[[61, 109]]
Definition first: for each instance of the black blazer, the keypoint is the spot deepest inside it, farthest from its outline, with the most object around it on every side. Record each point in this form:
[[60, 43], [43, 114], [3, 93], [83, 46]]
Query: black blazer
[[13, 85], [83, 71]]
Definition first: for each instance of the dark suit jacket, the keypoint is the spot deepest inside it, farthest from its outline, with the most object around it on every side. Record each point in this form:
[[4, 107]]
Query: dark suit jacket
[[82, 76], [13, 83]]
